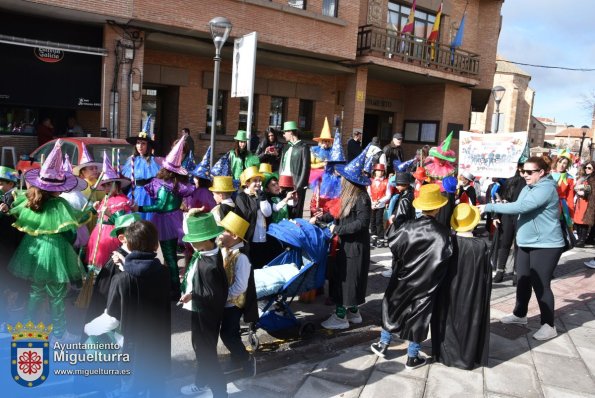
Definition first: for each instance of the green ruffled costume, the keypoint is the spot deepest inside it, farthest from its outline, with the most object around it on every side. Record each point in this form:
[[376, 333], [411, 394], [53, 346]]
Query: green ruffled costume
[[46, 253]]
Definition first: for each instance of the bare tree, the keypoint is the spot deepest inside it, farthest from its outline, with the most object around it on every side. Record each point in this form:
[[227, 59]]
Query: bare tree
[[588, 103]]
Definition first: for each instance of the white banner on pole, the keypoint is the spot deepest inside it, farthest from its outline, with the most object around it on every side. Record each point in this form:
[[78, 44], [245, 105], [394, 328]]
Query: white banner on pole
[[244, 65], [491, 155]]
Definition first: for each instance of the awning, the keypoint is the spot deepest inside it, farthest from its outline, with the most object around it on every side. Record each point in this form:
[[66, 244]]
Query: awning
[[74, 48]]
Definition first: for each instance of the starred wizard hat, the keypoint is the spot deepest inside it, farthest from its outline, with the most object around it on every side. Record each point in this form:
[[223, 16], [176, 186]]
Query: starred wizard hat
[[50, 177], [173, 160], [336, 155], [86, 161], [203, 169], [221, 167], [108, 174], [443, 151], [8, 174], [354, 170], [67, 167], [145, 134], [369, 163], [325, 134]]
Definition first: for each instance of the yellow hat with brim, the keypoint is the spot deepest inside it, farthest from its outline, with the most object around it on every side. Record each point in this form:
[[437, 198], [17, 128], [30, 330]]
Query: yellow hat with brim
[[265, 168], [249, 173], [222, 184], [464, 217], [235, 224], [325, 134], [429, 198]]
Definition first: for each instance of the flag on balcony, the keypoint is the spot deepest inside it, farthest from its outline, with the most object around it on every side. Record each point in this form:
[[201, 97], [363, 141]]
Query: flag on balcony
[[433, 37], [458, 40], [408, 28]]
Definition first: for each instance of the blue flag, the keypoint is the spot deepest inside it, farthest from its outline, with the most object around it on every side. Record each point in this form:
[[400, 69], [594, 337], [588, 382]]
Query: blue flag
[[458, 40]]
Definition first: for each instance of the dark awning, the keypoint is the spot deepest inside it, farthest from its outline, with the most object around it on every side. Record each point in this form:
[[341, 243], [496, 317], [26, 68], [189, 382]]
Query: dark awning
[[479, 99]]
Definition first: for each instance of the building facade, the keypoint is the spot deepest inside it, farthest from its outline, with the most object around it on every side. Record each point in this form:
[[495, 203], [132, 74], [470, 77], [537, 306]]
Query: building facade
[[345, 60]]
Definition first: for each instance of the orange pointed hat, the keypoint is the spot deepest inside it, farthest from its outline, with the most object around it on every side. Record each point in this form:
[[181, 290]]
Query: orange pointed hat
[[325, 134]]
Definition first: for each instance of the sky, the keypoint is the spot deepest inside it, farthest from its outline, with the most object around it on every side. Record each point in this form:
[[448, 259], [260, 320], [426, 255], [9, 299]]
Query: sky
[[553, 33]]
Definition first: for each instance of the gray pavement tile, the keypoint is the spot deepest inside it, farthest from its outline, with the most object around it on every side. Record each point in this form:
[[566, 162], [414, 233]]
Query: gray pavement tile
[[253, 392], [396, 364], [556, 392], [591, 305], [315, 387], [583, 337], [588, 356], [559, 371], [446, 382], [560, 345], [504, 349], [512, 377], [578, 317], [381, 384], [281, 381], [352, 366], [496, 395]]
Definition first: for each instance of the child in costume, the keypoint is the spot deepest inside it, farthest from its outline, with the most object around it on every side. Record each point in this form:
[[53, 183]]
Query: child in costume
[[421, 178], [168, 189], [45, 256], [201, 197], [466, 191], [114, 204], [461, 321], [380, 194], [222, 190], [141, 168], [205, 292], [78, 201], [241, 297], [279, 202], [327, 189], [138, 307], [440, 163], [320, 154], [88, 170], [565, 187]]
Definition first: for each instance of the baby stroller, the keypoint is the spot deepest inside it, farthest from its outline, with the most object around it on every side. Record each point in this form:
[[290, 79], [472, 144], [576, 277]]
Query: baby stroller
[[300, 268]]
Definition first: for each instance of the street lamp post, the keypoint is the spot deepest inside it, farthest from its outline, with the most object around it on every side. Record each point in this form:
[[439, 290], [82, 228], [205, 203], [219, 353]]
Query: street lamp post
[[580, 150], [220, 28], [498, 94]]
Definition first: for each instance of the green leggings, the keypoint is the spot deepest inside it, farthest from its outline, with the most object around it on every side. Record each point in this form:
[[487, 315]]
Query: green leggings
[[56, 292], [170, 255]]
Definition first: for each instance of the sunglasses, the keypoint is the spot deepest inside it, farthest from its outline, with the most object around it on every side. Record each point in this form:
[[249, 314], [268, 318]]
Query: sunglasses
[[530, 172], [588, 168]]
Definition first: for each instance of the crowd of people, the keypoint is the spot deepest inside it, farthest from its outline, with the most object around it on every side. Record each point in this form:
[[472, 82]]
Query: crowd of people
[[95, 230]]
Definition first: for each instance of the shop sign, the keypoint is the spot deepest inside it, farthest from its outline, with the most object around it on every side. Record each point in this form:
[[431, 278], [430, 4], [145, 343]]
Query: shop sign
[[48, 55], [86, 102]]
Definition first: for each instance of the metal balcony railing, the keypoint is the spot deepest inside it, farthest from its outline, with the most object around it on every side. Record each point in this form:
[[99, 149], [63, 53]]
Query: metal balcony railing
[[392, 44]]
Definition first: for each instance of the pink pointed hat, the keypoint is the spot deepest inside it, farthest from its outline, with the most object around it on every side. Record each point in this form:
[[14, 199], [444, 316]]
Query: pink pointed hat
[[173, 160], [67, 167], [86, 161], [108, 174], [51, 177]]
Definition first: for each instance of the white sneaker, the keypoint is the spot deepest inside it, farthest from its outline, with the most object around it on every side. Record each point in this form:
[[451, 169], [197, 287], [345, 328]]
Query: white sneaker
[[334, 322], [192, 389], [546, 332], [590, 263], [388, 273], [354, 317], [513, 319]]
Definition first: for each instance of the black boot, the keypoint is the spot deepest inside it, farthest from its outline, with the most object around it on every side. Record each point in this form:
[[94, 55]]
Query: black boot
[[499, 277], [501, 265], [582, 232]]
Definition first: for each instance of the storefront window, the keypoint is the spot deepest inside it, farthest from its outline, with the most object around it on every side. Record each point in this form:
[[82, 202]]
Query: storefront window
[[14, 120], [277, 112], [305, 116], [243, 124], [221, 111]]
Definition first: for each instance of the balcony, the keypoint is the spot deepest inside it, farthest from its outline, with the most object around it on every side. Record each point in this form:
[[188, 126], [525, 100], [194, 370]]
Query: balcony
[[391, 44]]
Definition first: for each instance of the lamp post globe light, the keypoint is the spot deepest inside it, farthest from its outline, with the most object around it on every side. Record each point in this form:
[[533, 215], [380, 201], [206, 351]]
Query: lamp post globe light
[[580, 150], [498, 94], [220, 29]]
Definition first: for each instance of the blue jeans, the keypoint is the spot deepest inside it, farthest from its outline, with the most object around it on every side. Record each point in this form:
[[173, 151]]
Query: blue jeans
[[412, 350]]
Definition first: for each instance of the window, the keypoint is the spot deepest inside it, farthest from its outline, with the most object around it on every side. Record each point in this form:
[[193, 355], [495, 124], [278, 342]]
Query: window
[[221, 111], [277, 112], [301, 4], [243, 123], [305, 116], [397, 18], [330, 8], [421, 131]]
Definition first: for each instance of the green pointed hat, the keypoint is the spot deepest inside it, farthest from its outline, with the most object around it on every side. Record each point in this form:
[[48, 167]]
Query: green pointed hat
[[241, 135], [444, 152]]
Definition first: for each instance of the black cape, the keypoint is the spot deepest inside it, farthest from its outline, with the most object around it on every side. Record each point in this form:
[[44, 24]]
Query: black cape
[[422, 248], [461, 319]]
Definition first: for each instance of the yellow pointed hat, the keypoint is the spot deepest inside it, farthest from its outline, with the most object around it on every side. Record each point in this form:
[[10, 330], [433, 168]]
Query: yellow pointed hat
[[325, 134], [235, 224]]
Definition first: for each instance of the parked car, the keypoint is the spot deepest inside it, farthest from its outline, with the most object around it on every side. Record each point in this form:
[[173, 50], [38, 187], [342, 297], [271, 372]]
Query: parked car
[[73, 147]]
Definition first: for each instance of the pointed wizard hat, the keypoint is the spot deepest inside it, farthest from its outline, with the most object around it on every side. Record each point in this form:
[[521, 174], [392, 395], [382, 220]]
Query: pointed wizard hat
[[325, 134], [67, 167], [203, 169], [50, 177], [222, 168], [354, 170], [146, 134], [336, 155], [173, 160], [108, 174], [86, 161], [443, 151]]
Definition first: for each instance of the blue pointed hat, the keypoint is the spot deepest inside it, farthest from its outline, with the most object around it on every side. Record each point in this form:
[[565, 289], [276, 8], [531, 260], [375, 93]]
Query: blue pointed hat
[[369, 163], [336, 155], [222, 168], [354, 170], [203, 169]]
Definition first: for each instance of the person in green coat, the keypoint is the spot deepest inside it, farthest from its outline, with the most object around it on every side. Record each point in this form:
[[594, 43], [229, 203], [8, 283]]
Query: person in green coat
[[240, 157]]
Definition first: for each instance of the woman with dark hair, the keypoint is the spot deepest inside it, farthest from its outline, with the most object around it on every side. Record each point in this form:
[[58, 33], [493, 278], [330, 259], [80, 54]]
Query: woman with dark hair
[[540, 244], [584, 211], [269, 150], [240, 158]]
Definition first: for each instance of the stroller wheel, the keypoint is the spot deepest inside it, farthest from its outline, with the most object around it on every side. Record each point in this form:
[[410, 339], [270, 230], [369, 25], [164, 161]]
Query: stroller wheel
[[306, 329], [253, 340]]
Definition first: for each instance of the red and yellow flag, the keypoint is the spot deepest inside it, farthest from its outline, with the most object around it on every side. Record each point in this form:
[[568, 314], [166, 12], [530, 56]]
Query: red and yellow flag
[[433, 37], [408, 28]]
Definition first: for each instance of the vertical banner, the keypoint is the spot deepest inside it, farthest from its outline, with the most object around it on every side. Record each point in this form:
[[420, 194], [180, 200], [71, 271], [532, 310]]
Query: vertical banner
[[244, 67], [491, 155]]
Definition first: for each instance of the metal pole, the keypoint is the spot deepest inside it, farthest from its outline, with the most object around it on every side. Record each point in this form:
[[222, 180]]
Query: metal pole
[[214, 101], [580, 150], [497, 117]]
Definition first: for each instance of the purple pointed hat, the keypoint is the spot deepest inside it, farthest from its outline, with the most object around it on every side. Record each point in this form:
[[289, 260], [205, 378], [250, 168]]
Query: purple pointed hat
[[173, 160], [108, 174], [203, 170], [67, 167], [86, 161], [336, 155], [50, 177], [354, 170]]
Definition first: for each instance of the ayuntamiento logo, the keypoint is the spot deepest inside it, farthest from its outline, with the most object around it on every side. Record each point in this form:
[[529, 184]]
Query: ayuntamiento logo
[[30, 353]]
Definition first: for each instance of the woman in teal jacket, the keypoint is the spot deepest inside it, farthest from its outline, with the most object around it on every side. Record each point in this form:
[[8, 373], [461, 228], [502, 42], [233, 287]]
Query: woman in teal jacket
[[540, 244]]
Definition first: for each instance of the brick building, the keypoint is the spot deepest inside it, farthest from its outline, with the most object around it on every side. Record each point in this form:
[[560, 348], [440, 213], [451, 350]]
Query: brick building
[[345, 60]]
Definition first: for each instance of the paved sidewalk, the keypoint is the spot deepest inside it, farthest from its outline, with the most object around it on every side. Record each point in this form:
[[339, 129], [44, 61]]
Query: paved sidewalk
[[519, 366]]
